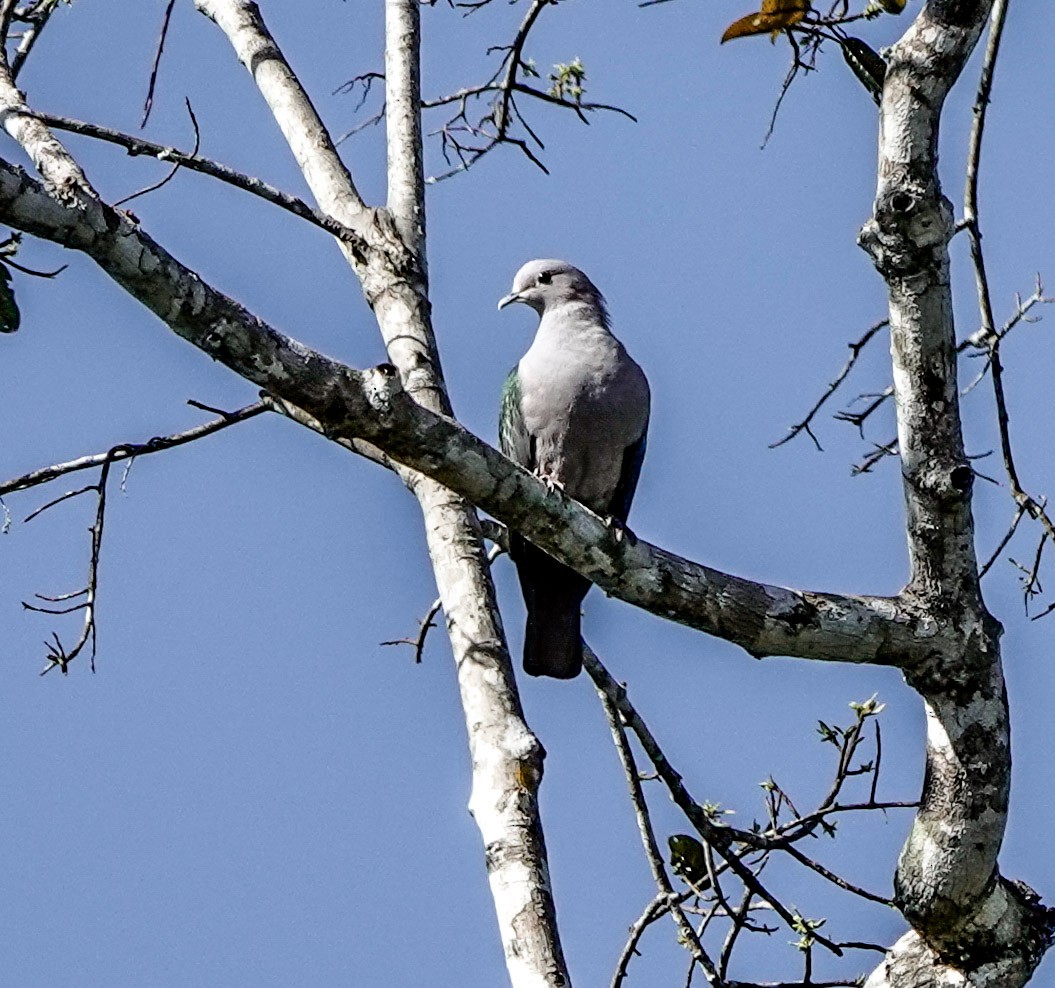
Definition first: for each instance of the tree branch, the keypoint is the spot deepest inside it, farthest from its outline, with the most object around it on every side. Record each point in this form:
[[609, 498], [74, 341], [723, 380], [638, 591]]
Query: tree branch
[[128, 451], [406, 170], [855, 352], [370, 406], [291, 107], [947, 883], [37, 16], [204, 166], [49, 157], [506, 756], [644, 823]]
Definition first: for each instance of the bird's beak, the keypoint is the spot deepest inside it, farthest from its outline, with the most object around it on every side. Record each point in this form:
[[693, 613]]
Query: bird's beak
[[509, 299]]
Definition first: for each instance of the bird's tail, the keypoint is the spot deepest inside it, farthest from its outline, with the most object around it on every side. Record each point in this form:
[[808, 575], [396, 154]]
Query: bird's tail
[[553, 594]]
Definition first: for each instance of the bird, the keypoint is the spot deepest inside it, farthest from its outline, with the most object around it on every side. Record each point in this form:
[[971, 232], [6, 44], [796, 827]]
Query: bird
[[574, 412]]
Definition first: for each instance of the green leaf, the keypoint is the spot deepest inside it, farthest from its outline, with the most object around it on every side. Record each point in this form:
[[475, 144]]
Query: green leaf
[[10, 317], [866, 64], [687, 858], [568, 82], [827, 733]]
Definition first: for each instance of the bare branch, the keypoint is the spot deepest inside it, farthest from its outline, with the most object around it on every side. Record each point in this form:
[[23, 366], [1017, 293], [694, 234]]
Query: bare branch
[[506, 757], [49, 157], [656, 909], [855, 352], [205, 166], [308, 139], [149, 102], [58, 655], [130, 450], [36, 16], [1019, 513], [947, 883], [637, 798], [721, 838], [464, 141], [418, 641], [406, 169], [836, 879], [370, 406], [175, 168], [428, 622], [880, 451]]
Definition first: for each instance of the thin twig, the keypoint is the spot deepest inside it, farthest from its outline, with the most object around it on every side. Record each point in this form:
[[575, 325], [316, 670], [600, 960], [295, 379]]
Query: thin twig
[[58, 655], [68, 496], [734, 932], [988, 337], [464, 141], [204, 166], [836, 879], [1032, 506], [37, 16], [720, 837], [175, 168], [657, 908], [129, 450], [644, 823], [855, 352], [879, 452], [1002, 544], [878, 763], [429, 620], [857, 419], [149, 102]]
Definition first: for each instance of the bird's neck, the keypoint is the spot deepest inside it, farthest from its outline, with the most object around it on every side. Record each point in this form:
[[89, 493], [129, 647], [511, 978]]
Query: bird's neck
[[573, 318]]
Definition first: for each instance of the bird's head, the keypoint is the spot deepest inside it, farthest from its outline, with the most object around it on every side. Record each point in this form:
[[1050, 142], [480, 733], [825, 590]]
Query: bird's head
[[547, 283]]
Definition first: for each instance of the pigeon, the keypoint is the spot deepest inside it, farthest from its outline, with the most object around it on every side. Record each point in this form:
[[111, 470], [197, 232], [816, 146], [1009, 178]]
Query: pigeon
[[574, 412]]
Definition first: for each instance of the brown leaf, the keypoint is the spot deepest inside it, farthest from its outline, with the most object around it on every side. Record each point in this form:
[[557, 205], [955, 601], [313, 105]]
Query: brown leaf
[[775, 15]]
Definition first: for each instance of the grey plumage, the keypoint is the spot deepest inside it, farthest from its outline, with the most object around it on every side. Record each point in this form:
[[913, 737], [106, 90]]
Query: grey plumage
[[575, 412]]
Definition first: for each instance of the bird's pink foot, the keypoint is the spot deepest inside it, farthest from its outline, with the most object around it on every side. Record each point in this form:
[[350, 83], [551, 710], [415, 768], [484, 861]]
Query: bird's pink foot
[[552, 483], [619, 530]]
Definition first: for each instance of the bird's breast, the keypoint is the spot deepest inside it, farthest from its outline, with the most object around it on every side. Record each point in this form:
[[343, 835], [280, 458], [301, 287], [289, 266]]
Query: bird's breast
[[582, 406]]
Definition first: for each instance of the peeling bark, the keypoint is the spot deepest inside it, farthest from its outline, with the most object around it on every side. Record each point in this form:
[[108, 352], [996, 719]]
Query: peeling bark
[[372, 406], [970, 925], [391, 264]]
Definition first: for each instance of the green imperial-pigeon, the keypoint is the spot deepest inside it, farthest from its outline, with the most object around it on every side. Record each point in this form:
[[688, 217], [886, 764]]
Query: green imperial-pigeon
[[574, 412]]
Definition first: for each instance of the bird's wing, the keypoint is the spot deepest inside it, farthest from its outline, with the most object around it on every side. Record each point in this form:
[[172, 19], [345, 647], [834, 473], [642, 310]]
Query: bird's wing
[[633, 457], [513, 436]]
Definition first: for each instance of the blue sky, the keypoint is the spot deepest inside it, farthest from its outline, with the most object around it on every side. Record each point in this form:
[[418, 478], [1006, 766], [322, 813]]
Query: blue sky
[[251, 790]]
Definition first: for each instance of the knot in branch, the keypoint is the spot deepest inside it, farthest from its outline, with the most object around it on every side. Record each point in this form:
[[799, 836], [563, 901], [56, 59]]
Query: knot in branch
[[397, 261], [381, 385], [946, 480], [909, 232]]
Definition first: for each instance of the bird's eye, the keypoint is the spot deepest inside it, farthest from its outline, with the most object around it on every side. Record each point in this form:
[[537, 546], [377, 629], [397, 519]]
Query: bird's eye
[[544, 278]]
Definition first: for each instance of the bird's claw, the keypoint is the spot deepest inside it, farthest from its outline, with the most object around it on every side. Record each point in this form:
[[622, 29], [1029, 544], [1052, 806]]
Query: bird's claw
[[619, 530]]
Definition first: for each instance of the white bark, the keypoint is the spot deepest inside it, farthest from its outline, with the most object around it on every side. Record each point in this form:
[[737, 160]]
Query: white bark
[[406, 169], [54, 163], [291, 107], [971, 926], [506, 756], [348, 404]]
